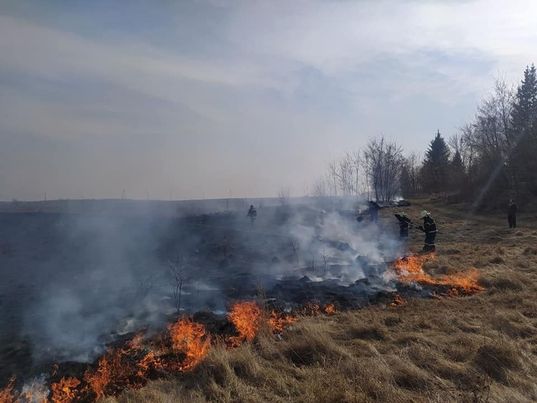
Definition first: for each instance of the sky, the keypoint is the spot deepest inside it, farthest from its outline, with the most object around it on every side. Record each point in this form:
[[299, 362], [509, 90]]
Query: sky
[[208, 99]]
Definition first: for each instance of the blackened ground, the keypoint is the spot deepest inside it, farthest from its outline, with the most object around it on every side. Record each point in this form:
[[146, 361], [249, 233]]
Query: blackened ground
[[70, 279], [481, 348]]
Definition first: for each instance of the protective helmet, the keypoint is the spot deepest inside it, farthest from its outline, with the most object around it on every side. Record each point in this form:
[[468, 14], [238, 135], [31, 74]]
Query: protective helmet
[[424, 214]]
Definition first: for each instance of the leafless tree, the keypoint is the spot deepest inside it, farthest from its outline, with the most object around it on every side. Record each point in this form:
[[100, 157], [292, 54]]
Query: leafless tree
[[333, 177], [490, 136], [410, 175], [344, 176], [178, 270], [382, 161], [284, 194], [320, 188]]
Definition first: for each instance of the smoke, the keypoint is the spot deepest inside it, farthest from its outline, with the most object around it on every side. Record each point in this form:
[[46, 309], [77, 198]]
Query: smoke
[[35, 391], [108, 274]]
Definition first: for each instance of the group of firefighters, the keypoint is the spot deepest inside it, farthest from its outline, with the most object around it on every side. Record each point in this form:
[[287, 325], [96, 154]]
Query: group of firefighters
[[429, 225], [405, 223]]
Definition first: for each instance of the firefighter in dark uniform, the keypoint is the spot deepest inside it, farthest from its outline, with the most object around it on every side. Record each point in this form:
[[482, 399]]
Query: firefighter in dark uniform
[[404, 224], [252, 214], [429, 227], [511, 214]]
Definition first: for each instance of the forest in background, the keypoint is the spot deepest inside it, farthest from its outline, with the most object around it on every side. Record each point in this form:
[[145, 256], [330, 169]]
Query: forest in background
[[490, 160]]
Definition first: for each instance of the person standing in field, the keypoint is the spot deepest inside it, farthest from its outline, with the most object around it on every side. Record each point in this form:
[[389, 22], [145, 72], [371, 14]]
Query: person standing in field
[[404, 224], [252, 214], [511, 214], [429, 227]]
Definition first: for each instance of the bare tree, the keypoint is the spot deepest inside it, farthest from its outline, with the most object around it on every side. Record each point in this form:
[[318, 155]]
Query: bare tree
[[284, 194], [319, 188], [178, 270], [491, 129], [343, 177], [410, 175], [382, 164], [333, 177]]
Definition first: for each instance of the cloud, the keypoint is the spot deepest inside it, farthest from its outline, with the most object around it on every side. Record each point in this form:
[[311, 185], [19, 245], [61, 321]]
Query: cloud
[[213, 88]]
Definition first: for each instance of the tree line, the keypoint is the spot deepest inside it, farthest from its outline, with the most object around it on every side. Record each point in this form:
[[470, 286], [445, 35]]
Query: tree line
[[491, 159]]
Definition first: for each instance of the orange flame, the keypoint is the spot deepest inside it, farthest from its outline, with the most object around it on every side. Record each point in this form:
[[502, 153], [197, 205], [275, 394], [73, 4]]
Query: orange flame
[[190, 338], [246, 317], [137, 341], [130, 365], [329, 309], [6, 393], [99, 379], [150, 360], [64, 391], [279, 321], [397, 300], [410, 269]]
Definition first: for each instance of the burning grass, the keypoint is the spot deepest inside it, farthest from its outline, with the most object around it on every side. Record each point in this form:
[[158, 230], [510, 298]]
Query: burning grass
[[480, 348], [246, 317], [409, 269], [7, 393], [191, 339], [187, 343], [475, 349], [139, 360]]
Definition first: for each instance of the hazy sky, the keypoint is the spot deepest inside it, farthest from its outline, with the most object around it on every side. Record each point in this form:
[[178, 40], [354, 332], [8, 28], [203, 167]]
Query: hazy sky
[[193, 99]]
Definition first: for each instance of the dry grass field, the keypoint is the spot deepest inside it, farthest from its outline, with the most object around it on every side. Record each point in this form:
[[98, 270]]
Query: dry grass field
[[481, 348]]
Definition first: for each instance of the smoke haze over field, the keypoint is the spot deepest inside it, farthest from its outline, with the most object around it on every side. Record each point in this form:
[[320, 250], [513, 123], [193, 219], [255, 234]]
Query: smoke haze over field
[[71, 282], [235, 98]]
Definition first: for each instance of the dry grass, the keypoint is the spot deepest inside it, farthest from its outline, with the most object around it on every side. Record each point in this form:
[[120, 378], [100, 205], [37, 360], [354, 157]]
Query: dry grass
[[472, 349]]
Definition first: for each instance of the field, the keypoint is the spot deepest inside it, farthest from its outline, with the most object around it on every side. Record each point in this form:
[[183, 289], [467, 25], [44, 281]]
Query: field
[[478, 348], [72, 280]]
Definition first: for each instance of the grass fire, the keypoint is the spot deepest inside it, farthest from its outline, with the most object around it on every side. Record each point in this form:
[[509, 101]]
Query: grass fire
[[268, 201], [410, 301]]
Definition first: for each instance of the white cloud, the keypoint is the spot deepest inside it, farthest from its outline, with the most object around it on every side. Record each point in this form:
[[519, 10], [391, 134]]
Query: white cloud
[[284, 87]]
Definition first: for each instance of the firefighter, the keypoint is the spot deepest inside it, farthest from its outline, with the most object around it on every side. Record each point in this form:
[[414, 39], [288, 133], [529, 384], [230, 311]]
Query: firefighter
[[429, 227], [511, 214], [404, 224], [252, 213]]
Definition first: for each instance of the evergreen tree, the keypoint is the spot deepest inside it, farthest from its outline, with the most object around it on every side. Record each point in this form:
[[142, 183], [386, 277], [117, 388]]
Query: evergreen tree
[[525, 105], [523, 137], [436, 166]]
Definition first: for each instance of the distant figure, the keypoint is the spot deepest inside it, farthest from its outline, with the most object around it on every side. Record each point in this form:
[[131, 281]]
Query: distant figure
[[373, 211], [511, 214], [404, 224], [429, 227], [252, 213]]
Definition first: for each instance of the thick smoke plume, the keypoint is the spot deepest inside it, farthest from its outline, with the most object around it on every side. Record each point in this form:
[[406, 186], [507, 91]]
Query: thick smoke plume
[[89, 277]]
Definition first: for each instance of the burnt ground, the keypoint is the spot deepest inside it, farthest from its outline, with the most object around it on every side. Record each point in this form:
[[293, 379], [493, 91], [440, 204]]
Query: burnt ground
[[480, 348], [476, 348], [71, 283]]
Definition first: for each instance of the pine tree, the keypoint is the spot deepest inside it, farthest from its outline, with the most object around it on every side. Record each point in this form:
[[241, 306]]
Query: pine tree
[[523, 136], [525, 106], [436, 166]]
